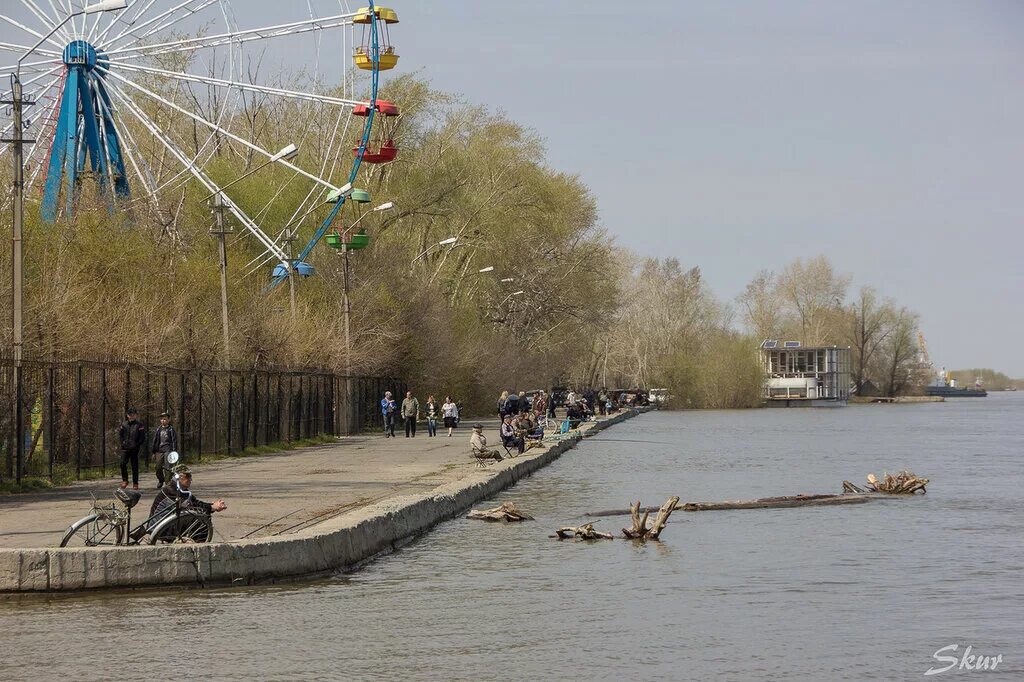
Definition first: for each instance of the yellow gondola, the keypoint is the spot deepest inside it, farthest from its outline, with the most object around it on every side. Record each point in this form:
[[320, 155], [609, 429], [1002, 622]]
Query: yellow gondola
[[385, 14], [363, 60]]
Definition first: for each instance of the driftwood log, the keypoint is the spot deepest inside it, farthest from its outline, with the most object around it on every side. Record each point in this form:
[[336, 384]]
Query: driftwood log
[[507, 512], [586, 532], [777, 502], [762, 503], [640, 529]]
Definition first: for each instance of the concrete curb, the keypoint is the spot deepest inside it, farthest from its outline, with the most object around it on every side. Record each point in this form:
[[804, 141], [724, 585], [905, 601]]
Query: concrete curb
[[339, 544]]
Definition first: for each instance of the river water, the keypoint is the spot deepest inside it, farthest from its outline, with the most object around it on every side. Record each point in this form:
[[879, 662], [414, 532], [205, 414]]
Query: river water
[[854, 592]]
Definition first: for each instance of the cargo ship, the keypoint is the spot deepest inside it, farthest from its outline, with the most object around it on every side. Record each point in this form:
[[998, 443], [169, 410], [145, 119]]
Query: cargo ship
[[955, 391], [946, 387]]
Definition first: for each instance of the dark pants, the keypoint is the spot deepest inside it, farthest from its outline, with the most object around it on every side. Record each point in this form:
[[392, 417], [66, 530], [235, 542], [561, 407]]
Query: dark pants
[[389, 425], [133, 457], [431, 426], [410, 427], [160, 464], [517, 443]]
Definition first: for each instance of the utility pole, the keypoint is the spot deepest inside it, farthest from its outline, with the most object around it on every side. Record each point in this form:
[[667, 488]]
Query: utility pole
[[221, 233], [17, 142], [348, 343]]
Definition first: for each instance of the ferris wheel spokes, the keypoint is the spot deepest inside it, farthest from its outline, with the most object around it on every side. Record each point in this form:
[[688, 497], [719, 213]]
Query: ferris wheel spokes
[[236, 37], [240, 85], [201, 176], [39, 14], [132, 29], [41, 36], [223, 131]]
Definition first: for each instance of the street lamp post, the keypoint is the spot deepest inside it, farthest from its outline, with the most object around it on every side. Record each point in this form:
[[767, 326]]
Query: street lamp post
[[347, 305], [17, 141]]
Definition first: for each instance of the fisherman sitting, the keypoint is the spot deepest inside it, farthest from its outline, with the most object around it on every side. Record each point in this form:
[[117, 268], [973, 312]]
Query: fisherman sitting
[[527, 428], [511, 437], [478, 443]]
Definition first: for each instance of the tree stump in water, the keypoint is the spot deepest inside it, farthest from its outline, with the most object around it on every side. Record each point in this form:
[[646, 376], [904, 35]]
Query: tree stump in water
[[640, 529], [586, 532], [507, 512]]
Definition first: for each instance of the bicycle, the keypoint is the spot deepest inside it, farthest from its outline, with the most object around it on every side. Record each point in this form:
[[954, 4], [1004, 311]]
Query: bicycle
[[111, 524]]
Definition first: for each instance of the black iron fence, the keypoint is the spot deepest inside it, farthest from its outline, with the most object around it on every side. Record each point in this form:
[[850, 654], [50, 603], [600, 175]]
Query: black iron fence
[[70, 410]]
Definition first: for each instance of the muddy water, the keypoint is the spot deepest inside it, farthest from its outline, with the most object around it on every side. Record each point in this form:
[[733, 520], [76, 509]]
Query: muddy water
[[856, 592]]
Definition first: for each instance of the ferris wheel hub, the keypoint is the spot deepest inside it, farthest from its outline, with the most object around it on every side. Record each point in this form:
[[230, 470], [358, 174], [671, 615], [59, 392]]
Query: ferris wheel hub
[[80, 53]]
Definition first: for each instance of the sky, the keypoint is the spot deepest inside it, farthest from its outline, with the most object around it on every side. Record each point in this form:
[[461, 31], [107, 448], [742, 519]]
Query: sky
[[738, 136]]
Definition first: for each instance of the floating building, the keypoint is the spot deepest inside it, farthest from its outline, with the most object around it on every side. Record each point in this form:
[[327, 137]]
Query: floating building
[[796, 375]]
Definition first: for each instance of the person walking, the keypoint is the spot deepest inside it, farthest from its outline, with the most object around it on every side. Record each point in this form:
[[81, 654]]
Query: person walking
[[387, 410], [432, 409], [450, 412], [503, 404], [165, 440], [551, 404], [410, 413], [602, 400], [131, 434], [511, 404], [540, 404]]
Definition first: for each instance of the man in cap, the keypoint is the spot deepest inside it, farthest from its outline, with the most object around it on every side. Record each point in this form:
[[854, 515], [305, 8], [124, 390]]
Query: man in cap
[[478, 442], [165, 440], [177, 494], [131, 434]]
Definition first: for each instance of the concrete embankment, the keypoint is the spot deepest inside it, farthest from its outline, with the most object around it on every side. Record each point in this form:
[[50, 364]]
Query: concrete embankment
[[338, 544]]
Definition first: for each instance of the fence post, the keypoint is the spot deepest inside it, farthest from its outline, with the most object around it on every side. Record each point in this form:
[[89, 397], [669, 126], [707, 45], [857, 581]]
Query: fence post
[[181, 414], [230, 382], [103, 420], [278, 432], [199, 417], [216, 417], [19, 419], [290, 416], [51, 422], [148, 397], [78, 422], [255, 410], [267, 432], [243, 404]]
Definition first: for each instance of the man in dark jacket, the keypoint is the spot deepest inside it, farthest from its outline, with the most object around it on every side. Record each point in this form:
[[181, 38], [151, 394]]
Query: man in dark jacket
[[165, 439], [176, 495], [131, 435]]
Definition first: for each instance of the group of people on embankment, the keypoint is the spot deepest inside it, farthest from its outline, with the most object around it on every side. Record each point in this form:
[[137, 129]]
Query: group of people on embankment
[[410, 412]]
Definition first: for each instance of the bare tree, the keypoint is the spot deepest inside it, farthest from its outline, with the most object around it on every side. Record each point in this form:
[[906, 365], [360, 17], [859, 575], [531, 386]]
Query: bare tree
[[814, 292], [899, 354], [871, 325]]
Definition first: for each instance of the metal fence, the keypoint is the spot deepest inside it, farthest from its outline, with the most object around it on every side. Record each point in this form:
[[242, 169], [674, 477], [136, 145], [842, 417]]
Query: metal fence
[[70, 410]]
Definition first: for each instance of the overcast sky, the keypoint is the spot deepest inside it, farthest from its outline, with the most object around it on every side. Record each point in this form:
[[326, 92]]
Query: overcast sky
[[738, 136]]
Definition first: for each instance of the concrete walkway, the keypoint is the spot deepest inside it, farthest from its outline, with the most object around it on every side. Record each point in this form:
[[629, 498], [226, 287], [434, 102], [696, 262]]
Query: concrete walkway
[[309, 485]]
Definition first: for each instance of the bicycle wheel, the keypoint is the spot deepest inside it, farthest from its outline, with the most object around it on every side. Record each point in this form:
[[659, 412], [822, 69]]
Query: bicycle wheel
[[189, 527], [93, 531]]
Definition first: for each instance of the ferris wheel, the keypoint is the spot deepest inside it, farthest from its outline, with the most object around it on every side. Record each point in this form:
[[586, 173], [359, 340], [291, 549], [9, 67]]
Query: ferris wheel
[[140, 98]]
